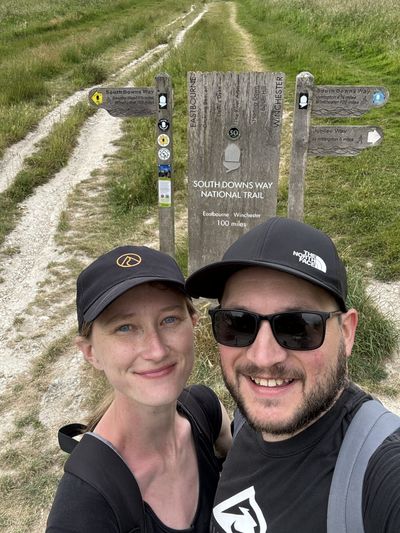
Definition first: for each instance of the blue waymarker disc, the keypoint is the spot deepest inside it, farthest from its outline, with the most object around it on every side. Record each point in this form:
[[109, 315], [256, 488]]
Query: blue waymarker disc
[[378, 98]]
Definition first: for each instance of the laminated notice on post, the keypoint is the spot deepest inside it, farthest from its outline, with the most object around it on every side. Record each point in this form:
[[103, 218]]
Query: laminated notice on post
[[164, 193]]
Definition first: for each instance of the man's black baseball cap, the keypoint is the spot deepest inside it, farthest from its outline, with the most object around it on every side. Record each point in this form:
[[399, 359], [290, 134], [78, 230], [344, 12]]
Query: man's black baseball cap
[[281, 244], [119, 270]]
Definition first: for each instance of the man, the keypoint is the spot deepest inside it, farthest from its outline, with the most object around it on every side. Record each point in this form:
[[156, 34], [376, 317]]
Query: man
[[285, 335]]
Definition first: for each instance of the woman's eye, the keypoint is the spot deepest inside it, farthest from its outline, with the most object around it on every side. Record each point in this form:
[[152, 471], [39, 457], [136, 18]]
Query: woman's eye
[[170, 320], [124, 328]]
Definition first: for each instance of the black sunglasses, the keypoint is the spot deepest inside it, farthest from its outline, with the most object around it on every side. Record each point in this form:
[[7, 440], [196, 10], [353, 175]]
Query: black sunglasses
[[297, 330]]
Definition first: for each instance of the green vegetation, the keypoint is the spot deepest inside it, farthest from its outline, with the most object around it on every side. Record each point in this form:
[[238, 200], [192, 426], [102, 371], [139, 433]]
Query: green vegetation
[[49, 49], [356, 199], [30, 459], [58, 348], [27, 485], [353, 199], [52, 155], [57, 47], [375, 340]]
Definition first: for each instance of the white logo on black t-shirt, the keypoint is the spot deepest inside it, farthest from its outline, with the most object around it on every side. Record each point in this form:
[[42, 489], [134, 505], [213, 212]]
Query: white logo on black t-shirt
[[240, 513]]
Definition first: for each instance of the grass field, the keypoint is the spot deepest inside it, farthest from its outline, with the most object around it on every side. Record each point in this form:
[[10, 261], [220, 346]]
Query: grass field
[[353, 199], [74, 44], [50, 49]]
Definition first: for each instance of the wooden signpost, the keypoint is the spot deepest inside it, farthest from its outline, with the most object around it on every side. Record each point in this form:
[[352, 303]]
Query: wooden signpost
[[149, 102], [328, 101], [234, 130]]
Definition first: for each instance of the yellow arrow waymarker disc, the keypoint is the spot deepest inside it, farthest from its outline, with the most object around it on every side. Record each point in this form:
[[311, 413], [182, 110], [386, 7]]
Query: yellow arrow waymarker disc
[[97, 98], [163, 140]]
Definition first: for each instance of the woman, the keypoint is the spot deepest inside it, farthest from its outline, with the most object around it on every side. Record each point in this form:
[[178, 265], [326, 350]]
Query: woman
[[136, 326]]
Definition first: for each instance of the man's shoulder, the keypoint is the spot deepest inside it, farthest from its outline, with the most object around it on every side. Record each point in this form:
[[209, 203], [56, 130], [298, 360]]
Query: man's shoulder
[[387, 455], [354, 396], [381, 491]]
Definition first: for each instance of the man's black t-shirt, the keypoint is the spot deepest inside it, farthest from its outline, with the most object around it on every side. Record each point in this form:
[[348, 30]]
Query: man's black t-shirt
[[79, 508], [283, 487]]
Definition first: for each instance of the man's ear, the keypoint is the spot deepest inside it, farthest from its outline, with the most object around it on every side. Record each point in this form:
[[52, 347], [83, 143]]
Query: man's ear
[[86, 347], [349, 326]]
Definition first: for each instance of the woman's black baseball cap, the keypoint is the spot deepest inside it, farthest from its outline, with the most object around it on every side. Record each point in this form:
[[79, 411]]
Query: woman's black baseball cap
[[281, 244], [119, 270]]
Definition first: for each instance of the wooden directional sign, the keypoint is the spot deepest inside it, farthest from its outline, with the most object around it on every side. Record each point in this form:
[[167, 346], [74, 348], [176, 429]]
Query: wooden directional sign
[[342, 140], [346, 100], [125, 101], [307, 140], [234, 132]]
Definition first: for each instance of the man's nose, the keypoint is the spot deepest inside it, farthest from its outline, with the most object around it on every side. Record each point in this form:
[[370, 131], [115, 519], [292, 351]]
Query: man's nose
[[265, 350]]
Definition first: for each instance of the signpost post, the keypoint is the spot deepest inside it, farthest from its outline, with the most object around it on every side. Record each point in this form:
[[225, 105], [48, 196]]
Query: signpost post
[[298, 162], [164, 162], [234, 146], [308, 140], [149, 102]]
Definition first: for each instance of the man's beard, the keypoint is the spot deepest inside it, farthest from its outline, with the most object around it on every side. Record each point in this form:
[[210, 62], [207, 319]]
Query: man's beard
[[317, 402]]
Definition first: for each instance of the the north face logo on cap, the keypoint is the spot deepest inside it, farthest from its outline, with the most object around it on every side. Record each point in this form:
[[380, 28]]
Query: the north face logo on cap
[[311, 259], [129, 260]]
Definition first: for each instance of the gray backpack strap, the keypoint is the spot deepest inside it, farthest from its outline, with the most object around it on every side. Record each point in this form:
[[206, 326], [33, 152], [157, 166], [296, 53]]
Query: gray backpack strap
[[368, 429], [238, 422]]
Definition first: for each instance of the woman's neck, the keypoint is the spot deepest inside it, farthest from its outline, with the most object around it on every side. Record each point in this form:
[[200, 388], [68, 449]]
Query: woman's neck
[[148, 430], [157, 445]]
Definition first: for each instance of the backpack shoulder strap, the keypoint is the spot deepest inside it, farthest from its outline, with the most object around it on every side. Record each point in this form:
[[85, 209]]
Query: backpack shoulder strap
[[66, 436], [192, 406], [368, 429], [197, 415], [238, 422], [100, 466], [116, 483]]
